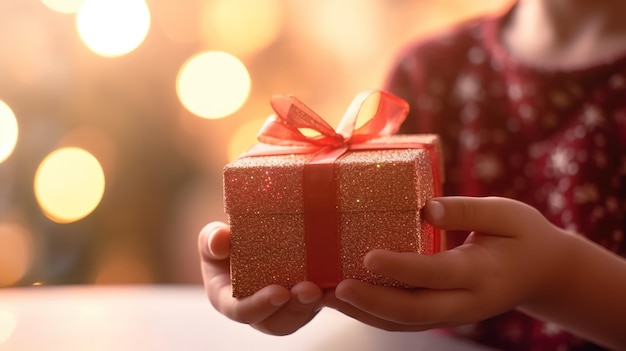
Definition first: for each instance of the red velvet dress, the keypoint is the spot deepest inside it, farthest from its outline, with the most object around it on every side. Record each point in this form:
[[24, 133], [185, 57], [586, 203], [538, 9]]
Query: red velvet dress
[[554, 139]]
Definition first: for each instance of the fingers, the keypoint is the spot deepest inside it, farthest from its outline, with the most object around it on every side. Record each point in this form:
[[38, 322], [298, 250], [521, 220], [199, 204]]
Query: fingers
[[423, 307], [469, 283], [304, 304], [273, 309], [214, 247], [491, 215], [306, 293], [214, 241], [215, 267], [452, 269], [331, 301], [252, 309]]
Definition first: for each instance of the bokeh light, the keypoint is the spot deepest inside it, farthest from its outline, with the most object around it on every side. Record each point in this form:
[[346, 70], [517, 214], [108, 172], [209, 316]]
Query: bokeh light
[[244, 137], [8, 322], [213, 84], [99, 144], [63, 6], [137, 114], [113, 27], [69, 184], [8, 131], [242, 26], [16, 253]]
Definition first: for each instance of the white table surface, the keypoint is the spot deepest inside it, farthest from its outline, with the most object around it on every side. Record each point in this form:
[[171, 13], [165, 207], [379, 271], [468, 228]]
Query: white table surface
[[174, 318]]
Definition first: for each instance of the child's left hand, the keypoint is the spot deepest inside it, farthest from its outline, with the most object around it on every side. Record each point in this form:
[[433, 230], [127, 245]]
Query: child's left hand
[[273, 310], [514, 258]]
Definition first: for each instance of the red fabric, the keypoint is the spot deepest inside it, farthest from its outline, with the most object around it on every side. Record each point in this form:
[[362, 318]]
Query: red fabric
[[553, 139], [321, 220]]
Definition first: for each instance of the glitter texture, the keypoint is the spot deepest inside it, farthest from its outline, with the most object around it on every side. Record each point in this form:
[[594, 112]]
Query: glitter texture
[[380, 194]]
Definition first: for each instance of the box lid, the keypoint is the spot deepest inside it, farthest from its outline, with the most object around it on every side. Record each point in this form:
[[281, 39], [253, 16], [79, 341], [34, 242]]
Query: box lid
[[368, 180]]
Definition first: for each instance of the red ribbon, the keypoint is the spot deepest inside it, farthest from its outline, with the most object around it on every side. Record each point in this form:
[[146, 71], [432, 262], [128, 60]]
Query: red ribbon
[[281, 135]]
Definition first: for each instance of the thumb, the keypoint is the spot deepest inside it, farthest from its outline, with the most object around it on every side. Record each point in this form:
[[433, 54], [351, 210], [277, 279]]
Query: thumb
[[489, 215], [214, 241]]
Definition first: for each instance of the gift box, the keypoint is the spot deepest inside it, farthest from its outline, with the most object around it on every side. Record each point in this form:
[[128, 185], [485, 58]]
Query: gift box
[[310, 208]]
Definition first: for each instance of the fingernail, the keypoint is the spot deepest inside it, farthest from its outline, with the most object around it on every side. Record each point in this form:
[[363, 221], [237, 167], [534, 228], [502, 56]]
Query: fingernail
[[370, 262], [306, 299], [209, 241], [279, 300], [436, 210], [345, 294]]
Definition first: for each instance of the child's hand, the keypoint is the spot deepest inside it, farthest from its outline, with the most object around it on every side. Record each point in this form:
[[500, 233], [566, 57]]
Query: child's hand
[[515, 257], [273, 309]]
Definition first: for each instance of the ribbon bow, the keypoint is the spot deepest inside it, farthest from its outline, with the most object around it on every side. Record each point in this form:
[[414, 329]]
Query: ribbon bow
[[291, 115]]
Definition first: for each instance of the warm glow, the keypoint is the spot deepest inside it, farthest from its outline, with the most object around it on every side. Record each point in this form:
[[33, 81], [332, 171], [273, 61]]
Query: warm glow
[[213, 84], [244, 137], [352, 29], [8, 322], [179, 20], [8, 131], [69, 184], [242, 26], [16, 253], [123, 267], [113, 27], [63, 6]]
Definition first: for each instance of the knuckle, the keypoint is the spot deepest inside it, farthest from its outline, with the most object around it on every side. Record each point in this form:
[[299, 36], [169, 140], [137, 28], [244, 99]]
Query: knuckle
[[432, 274], [238, 315], [215, 302], [468, 211], [533, 212]]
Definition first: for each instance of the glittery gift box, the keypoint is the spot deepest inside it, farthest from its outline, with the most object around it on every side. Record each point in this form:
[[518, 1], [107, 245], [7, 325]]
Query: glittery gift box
[[379, 195]]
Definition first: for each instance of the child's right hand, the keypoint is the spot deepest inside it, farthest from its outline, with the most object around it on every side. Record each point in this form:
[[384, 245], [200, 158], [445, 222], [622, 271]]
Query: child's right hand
[[272, 310]]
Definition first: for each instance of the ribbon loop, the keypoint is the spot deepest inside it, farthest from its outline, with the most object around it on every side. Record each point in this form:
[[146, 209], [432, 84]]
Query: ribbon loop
[[385, 113], [292, 115], [390, 112]]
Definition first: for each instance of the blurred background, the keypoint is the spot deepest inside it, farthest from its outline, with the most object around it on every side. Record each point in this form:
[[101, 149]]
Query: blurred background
[[117, 116]]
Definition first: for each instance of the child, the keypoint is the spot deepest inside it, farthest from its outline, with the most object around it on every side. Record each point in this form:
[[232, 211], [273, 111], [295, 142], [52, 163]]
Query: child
[[531, 106]]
